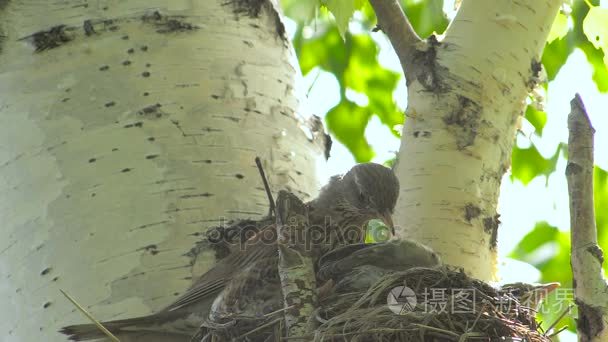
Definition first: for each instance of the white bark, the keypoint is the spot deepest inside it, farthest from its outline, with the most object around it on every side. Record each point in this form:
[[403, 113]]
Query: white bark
[[107, 173], [460, 126]]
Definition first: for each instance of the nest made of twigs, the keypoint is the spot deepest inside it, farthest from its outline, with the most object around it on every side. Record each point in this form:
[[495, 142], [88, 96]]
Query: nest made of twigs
[[483, 314]]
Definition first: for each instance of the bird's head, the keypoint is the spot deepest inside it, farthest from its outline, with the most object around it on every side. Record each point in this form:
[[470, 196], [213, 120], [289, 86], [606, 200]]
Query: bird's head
[[372, 189], [529, 295]]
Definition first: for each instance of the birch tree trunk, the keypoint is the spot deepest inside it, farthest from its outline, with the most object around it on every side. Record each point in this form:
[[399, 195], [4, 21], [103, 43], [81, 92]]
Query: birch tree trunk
[[466, 93], [127, 128]]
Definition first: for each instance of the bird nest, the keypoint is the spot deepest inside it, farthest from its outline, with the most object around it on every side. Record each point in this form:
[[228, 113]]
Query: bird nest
[[426, 304], [416, 305]]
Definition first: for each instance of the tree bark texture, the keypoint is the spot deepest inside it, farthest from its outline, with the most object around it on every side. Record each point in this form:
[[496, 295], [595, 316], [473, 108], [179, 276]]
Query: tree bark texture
[[466, 91], [127, 128]]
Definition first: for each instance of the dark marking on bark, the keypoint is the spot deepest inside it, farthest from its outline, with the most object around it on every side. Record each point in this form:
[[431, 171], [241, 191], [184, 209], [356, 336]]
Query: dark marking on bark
[[248, 43], [597, 252], [137, 124], [464, 121], [46, 271], [315, 124], [144, 48], [148, 65], [125, 170], [228, 117], [254, 9], [130, 51], [3, 4], [204, 194], [65, 99], [50, 39], [168, 24], [211, 129], [127, 62], [151, 139], [471, 211], [535, 78], [2, 38], [426, 69], [88, 28], [104, 67], [114, 149], [145, 74], [589, 321], [152, 111], [55, 279], [92, 160], [151, 156], [573, 169], [152, 249], [146, 93], [215, 96], [110, 104], [490, 226], [239, 176], [93, 194], [125, 37], [46, 305]]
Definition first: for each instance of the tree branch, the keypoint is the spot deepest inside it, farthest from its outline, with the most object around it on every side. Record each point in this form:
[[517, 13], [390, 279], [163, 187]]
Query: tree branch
[[586, 255], [394, 23]]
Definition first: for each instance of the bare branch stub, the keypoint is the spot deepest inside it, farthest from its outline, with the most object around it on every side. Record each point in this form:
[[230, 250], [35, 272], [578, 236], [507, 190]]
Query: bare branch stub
[[296, 264], [586, 255]]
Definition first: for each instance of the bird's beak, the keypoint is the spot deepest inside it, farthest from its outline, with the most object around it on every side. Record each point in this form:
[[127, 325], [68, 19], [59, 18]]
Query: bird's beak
[[539, 293], [388, 220], [544, 289]]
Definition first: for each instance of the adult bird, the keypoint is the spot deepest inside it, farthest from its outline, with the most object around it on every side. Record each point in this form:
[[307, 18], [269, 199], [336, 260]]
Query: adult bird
[[366, 194]]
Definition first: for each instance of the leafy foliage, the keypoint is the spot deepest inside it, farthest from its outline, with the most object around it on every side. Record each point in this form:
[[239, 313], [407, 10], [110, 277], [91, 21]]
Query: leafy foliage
[[352, 59], [528, 163], [536, 118], [588, 33]]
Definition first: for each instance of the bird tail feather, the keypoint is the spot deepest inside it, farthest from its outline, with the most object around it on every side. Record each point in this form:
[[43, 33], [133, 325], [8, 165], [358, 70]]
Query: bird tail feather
[[85, 332]]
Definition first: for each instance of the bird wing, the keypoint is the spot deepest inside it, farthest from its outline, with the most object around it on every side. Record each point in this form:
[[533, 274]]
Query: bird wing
[[214, 280]]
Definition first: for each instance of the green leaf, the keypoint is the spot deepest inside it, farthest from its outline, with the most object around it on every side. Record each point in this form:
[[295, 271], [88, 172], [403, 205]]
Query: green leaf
[[300, 11], [541, 234], [559, 28], [342, 10], [326, 51], [426, 17], [596, 29], [596, 58], [347, 121], [556, 54], [365, 75], [536, 118], [528, 163]]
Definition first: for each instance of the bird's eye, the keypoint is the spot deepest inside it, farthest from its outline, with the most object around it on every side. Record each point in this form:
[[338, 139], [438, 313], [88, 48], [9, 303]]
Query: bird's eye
[[376, 231]]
